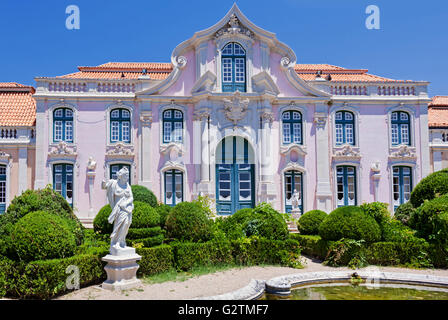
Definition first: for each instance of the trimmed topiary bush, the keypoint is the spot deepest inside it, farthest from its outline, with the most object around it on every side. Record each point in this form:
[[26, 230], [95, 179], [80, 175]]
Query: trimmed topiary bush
[[430, 220], [188, 222], [100, 223], [378, 211], [40, 235], [144, 216], [143, 194], [310, 221], [433, 186], [266, 222], [404, 212], [349, 222], [163, 210], [46, 200]]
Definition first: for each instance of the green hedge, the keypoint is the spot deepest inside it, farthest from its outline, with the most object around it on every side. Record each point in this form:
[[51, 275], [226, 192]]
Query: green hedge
[[147, 242], [310, 221], [45, 279], [312, 245], [143, 194], [430, 187], [136, 233], [155, 260]]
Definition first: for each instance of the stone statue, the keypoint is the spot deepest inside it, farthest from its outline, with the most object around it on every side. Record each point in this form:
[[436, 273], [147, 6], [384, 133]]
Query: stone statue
[[121, 200], [295, 200], [91, 164]]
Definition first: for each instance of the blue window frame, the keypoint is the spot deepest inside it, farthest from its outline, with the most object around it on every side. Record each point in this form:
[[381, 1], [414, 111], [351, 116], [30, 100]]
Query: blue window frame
[[173, 124], [400, 128], [293, 181], [233, 68], [2, 189], [346, 186], [402, 184], [234, 177], [114, 168], [345, 128], [63, 125], [120, 125], [174, 186], [292, 127], [63, 181]]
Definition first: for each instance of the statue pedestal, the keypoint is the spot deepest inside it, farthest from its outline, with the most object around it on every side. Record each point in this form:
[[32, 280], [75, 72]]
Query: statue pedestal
[[121, 269], [296, 213]]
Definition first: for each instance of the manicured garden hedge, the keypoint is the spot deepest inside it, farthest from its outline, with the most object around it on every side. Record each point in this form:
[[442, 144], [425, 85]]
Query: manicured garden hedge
[[155, 260], [310, 221], [143, 194], [430, 187]]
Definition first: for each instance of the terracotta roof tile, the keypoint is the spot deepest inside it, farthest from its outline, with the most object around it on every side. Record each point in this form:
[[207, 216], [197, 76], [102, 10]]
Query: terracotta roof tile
[[17, 107], [160, 71], [439, 101]]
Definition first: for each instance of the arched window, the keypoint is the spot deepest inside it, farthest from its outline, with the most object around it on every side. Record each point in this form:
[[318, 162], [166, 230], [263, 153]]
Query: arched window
[[114, 168], [120, 125], [233, 62], [63, 125], [292, 127], [401, 128], [63, 181], [402, 184], [2, 189], [345, 128], [173, 123], [174, 184]]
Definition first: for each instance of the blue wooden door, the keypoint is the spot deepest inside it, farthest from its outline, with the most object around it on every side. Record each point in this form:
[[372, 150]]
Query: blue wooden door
[[346, 186], [234, 180], [402, 185], [2, 189], [63, 181]]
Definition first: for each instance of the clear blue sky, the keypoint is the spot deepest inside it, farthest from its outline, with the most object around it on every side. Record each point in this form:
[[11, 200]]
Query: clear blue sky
[[411, 44]]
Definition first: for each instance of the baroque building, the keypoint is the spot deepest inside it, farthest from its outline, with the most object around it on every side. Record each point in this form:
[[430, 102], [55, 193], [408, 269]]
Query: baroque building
[[234, 116], [438, 132]]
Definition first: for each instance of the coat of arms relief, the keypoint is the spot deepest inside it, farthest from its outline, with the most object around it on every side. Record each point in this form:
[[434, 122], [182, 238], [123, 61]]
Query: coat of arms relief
[[236, 108]]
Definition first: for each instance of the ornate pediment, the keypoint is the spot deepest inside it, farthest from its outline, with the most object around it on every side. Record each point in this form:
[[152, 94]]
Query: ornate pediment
[[403, 152], [205, 83], [346, 152], [174, 150], [286, 149], [62, 150], [120, 150], [234, 27], [236, 108], [263, 83]]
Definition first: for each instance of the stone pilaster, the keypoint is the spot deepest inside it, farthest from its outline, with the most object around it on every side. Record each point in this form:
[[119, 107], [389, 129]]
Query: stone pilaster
[[145, 149]]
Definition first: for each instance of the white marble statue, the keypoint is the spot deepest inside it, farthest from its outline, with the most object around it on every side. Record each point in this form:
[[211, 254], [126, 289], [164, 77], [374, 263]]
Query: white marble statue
[[295, 200], [121, 200]]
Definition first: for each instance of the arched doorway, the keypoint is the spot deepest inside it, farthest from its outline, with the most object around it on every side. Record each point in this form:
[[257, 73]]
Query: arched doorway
[[235, 175]]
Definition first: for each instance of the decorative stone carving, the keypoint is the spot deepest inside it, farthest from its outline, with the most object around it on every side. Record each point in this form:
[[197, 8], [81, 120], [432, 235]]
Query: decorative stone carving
[[4, 156], [295, 202], [347, 152], [267, 116], [62, 149], [403, 152], [181, 61], [285, 62], [320, 120], [376, 167], [174, 150], [120, 150], [146, 119], [236, 108], [286, 149], [235, 29], [201, 115], [91, 165]]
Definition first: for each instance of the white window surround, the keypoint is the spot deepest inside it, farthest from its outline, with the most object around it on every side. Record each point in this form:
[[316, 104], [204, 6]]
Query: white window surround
[[50, 112], [180, 108], [294, 167], [356, 120], [7, 161], [358, 180], [131, 164], [305, 134], [247, 44], [390, 174], [52, 162], [173, 166], [108, 111], [411, 113]]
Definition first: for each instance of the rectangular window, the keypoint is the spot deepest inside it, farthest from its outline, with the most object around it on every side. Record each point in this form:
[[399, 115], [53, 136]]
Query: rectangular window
[[404, 134], [297, 133], [68, 131], [169, 199], [395, 134], [339, 134], [227, 70], [58, 131], [178, 186], [2, 191], [346, 186], [245, 186], [126, 134], [239, 70], [349, 133], [178, 131], [224, 186], [286, 133], [115, 131], [167, 132]]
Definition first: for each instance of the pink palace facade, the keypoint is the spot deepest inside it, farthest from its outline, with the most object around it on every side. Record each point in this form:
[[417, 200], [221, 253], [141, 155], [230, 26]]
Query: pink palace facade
[[234, 116]]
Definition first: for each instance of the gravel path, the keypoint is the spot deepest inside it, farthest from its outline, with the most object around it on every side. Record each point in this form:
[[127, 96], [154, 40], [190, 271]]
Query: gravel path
[[215, 283]]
